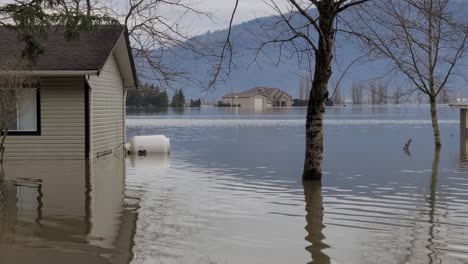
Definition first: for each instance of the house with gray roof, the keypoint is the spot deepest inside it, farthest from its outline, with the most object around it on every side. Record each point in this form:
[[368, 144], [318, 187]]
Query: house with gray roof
[[259, 98], [78, 111]]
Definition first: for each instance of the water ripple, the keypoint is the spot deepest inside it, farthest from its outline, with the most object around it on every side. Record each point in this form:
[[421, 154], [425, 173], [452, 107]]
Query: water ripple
[[205, 123]]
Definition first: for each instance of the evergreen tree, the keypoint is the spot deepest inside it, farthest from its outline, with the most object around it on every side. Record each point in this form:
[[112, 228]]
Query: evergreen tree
[[195, 103], [147, 96], [178, 100], [163, 99], [134, 98], [181, 98]]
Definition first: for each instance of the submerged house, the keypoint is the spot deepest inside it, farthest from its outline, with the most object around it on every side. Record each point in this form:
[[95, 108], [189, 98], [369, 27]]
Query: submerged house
[[259, 98], [463, 106], [78, 111]]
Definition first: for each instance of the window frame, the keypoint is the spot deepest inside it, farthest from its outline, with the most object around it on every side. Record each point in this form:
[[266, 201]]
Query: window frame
[[37, 132]]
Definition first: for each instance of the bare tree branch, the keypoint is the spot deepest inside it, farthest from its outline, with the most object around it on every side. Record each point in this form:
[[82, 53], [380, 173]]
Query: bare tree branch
[[227, 47]]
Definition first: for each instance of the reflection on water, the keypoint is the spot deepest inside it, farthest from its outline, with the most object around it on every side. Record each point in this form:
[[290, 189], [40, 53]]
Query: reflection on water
[[65, 212], [315, 226], [464, 149], [230, 193], [433, 256]]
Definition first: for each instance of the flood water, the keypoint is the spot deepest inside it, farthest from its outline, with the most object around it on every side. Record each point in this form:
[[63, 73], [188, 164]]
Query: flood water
[[231, 192]]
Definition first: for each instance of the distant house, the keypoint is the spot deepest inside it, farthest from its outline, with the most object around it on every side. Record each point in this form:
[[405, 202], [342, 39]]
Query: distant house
[[78, 111], [463, 106], [259, 98]]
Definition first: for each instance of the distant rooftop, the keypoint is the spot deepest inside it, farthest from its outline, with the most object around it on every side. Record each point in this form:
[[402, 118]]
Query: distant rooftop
[[267, 91], [461, 104]]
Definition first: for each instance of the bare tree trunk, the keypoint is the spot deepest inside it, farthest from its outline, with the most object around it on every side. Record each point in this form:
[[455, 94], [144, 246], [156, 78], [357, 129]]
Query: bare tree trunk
[[435, 122], [88, 7], [314, 142], [432, 92], [3, 134], [318, 96]]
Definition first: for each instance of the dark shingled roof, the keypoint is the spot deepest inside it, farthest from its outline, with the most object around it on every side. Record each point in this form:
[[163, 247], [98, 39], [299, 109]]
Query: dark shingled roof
[[89, 52]]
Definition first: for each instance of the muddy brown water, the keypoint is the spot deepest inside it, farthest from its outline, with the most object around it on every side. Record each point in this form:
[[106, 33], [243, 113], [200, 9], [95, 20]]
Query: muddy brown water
[[231, 192]]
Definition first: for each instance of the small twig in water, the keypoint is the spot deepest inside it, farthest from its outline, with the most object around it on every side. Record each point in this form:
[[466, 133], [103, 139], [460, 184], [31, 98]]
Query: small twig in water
[[407, 145]]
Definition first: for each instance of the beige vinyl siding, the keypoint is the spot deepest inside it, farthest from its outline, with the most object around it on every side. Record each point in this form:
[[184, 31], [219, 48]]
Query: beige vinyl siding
[[62, 123], [107, 108], [245, 102]]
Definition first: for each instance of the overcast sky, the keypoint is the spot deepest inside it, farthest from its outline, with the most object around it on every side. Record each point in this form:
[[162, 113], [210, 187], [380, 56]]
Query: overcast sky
[[222, 10]]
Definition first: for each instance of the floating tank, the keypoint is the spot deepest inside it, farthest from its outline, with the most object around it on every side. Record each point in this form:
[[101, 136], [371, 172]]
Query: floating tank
[[146, 145]]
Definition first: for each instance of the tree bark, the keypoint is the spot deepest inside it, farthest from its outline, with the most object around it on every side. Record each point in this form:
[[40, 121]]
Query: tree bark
[[314, 143], [3, 135], [435, 122], [88, 7], [318, 96]]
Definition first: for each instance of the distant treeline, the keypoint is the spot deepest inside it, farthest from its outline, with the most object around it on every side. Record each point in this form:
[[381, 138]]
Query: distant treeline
[[223, 104], [147, 96], [373, 92], [178, 99], [195, 103], [151, 96]]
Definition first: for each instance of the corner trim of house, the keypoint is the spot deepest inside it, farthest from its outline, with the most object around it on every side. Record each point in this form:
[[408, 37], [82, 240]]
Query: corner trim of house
[[130, 56], [87, 113]]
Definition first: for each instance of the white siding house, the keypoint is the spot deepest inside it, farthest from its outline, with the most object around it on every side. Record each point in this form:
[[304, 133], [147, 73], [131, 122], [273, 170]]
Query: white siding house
[[259, 98], [61, 133], [79, 108], [463, 106], [107, 108]]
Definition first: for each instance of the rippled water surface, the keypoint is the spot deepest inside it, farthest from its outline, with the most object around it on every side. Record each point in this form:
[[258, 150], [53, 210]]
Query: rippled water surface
[[231, 192]]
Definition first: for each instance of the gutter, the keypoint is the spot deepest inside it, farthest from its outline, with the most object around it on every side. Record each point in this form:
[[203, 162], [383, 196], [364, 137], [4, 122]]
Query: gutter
[[64, 73]]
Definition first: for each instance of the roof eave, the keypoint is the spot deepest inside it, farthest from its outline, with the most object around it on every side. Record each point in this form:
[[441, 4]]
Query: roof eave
[[130, 57], [131, 84], [460, 106]]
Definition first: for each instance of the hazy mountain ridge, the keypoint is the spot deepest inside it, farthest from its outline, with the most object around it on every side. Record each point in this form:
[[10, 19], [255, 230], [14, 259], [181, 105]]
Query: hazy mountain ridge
[[248, 72]]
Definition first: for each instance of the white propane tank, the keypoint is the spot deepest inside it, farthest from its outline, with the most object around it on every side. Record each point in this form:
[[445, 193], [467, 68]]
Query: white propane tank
[[143, 145]]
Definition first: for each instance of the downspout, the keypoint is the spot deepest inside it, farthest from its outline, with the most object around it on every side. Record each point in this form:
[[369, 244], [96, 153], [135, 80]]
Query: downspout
[[124, 115]]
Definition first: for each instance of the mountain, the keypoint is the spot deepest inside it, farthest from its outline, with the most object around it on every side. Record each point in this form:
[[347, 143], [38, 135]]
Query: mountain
[[266, 68]]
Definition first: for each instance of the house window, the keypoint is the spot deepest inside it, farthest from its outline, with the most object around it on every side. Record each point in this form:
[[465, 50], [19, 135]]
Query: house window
[[26, 115]]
